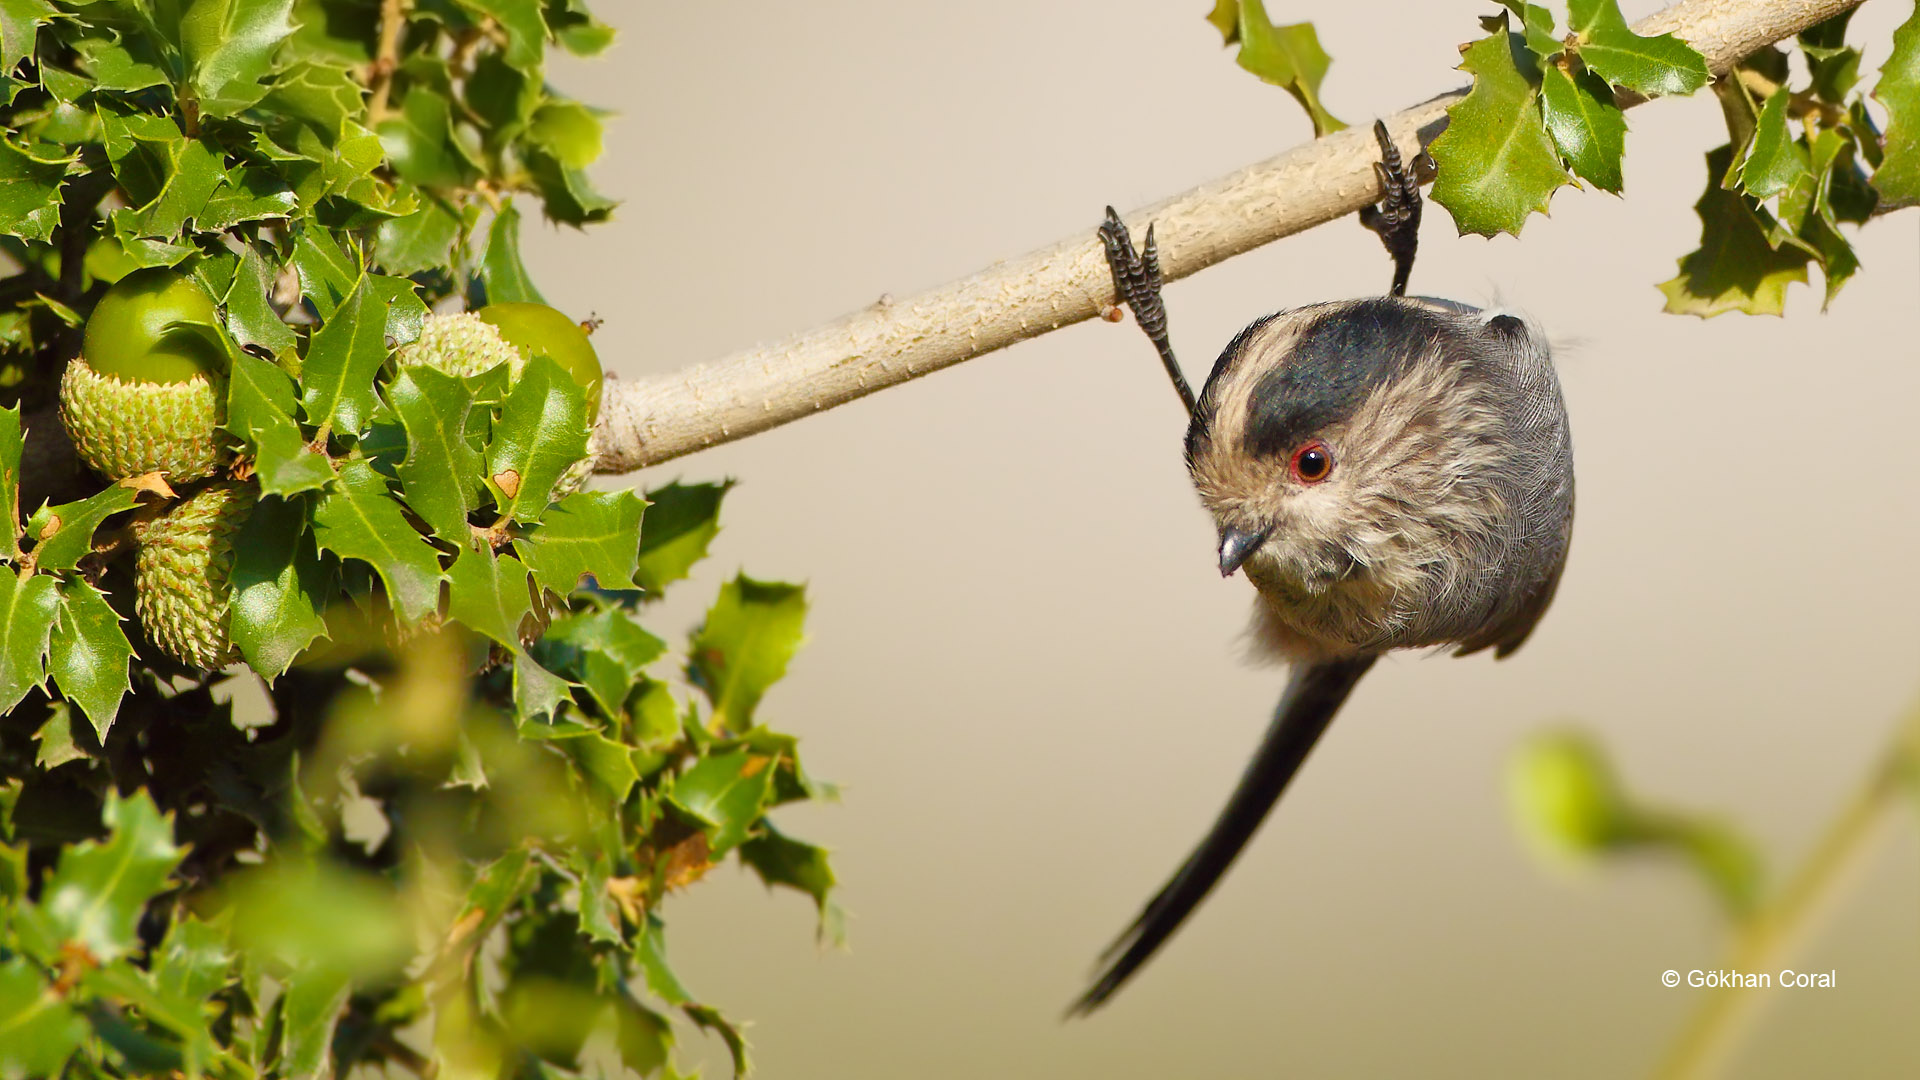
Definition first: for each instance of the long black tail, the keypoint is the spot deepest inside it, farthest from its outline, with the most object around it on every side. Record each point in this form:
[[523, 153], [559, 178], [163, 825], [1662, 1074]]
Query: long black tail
[[1313, 695]]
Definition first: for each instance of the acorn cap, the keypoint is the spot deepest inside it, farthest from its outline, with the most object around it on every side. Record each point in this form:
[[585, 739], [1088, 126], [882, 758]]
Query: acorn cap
[[124, 429], [182, 575], [462, 344]]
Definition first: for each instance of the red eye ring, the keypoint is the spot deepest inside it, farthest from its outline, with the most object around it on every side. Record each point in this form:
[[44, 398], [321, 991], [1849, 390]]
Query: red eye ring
[[1311, 463]]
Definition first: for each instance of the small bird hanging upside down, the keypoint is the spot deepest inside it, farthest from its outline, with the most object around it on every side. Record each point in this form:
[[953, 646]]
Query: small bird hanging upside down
[[1389, 473]]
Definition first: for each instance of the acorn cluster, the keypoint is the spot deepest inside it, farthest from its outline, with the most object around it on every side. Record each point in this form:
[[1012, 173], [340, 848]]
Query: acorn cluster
[[147, 395]]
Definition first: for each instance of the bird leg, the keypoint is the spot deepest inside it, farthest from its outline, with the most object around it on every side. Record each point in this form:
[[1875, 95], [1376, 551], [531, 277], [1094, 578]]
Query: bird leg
[[1136, 282], [1397, 218]]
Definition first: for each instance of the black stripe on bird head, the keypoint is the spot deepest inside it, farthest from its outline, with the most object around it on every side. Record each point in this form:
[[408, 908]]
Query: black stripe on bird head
[[1200, 427], [1333, 364]]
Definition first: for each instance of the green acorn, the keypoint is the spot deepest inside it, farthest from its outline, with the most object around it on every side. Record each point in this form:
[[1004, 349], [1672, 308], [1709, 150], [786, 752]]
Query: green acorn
[[182, 574], [472, 342], [147, 393]]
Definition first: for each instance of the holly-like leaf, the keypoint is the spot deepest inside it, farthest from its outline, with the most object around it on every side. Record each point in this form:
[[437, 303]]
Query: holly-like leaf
[[11, 444], [728, 791], [541, 432], [588, 532], [358, 519], [567, 196], [1536, 26], [251, 319], [30, 190], [123, 66], [314, 1004], [247, 194], [65, 532], [345, 355], [505, 275], [230, 45], [1645, 65], [321, 93], [99, 888], [681, 521], [1774, 161], [260, 401], [1833, 66], [327, 271], [1289, 57], [39, 1030], [168, 176], [89, 654], [192, 960], [1586, 125], [1735, 268], [491, 595], [607, 763], [20, 21], [440, 476], [422, 240], [421, 143], [742, 649], [279, 587], [781, 860], [605, 651], [57, 745], [1898, 177], [1497, 164], [28, 608]]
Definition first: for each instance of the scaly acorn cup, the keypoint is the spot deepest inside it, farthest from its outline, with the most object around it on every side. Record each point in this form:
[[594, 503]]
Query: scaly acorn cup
[[146, 394], [472, 342], [182, 575]]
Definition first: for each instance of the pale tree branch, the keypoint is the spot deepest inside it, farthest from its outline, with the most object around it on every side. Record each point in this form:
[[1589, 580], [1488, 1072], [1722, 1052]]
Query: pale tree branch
[[647, 421]]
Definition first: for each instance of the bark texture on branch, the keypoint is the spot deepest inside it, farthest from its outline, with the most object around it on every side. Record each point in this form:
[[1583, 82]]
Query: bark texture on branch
[[647, 421]]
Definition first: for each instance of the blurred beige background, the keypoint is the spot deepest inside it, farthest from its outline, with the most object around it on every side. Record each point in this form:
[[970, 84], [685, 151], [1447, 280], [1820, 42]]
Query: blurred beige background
[[1024, 668]]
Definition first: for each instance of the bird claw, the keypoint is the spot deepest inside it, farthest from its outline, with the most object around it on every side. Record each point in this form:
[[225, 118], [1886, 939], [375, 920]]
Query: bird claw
[[1397, 217], [1136, 283]]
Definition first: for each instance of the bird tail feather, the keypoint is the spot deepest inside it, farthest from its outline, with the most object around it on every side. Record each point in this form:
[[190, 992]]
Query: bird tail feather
[[1314, 693]]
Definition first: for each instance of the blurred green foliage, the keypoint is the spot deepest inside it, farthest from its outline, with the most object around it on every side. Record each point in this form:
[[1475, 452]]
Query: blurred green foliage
[[448, 847]]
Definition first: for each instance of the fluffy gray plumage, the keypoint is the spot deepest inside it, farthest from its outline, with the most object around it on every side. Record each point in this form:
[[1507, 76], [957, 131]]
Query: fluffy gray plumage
[[1444, 519], [1446, 516]]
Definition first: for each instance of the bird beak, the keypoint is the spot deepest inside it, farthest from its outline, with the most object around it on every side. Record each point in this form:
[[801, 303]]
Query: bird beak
[[1237, 546]]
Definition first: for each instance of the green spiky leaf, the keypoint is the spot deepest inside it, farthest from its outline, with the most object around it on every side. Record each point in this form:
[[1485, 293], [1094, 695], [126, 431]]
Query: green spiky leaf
[[1586, 125], [260, 402], [750, 634], [541, 432], [100, 888], [1645, 65], [89, 653], [1898, 177], [440, 476], [279, 587], [359, 519], [1289, 57], [1497, 164], [1735, 268], [680, 523], [28, 608], [588, 532], [65, 533]]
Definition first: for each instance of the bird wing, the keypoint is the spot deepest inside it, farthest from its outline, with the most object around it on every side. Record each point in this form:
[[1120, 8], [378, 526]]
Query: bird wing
[[1313, 695]]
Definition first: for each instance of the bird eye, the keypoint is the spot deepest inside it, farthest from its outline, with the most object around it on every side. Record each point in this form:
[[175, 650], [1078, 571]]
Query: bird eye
[[1312, 463]]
